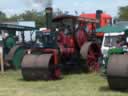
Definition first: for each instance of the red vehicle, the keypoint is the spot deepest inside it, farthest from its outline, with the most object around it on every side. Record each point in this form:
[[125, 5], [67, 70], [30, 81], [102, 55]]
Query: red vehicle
[[104, 19]]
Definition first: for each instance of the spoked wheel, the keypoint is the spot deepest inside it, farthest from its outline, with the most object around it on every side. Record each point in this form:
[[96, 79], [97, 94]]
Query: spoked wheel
[[92, 60], [39, 67], [91, 52]]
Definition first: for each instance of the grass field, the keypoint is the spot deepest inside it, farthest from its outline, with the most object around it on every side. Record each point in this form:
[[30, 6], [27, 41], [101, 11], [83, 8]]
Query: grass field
[[11, 84]]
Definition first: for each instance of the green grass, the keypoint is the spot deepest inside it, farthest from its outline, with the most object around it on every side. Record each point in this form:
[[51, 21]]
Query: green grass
[[11, 84]]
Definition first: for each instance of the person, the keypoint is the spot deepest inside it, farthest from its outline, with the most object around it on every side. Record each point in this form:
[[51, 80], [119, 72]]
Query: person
[[118, 44]]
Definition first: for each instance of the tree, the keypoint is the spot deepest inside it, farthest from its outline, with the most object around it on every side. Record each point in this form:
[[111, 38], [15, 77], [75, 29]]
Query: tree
[[123, 13], [2, 16], [66, 13], [38, 17], [32, 15], [57, 12]]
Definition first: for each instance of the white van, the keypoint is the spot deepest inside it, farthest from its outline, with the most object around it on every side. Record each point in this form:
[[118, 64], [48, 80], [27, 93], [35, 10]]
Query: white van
[[109, 41]]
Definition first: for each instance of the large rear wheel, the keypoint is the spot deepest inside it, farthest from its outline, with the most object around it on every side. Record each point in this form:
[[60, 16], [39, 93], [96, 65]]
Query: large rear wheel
[[91, 52]]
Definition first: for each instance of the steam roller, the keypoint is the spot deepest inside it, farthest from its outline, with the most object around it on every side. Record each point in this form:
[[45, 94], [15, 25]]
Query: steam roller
[[39, 67], [67, 46], [15, 56], [117, 71]]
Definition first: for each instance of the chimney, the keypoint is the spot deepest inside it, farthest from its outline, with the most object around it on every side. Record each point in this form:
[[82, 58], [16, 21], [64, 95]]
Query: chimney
[[48, 14], [98, 17]]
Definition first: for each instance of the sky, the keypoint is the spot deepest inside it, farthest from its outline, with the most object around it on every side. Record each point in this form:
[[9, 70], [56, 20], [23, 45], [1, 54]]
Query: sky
[[11, 7]]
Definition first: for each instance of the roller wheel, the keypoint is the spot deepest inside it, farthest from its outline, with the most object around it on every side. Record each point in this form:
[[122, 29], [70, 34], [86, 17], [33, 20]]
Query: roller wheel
[[27, 67], [91, 52], [117, 72], [39, 67]]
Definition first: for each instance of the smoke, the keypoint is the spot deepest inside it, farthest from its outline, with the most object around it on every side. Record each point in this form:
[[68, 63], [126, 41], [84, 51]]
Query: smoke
[[45, 3], [38, 3]]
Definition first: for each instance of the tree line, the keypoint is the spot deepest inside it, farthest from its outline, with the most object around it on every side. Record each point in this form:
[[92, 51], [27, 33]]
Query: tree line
[[39, 17], [30, 15]]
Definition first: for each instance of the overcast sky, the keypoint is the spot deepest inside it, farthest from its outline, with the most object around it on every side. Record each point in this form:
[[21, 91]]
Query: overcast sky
[[87, 6]]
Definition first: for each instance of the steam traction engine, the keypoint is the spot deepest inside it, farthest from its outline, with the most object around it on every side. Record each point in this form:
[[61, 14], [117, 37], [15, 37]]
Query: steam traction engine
[[65, 47]]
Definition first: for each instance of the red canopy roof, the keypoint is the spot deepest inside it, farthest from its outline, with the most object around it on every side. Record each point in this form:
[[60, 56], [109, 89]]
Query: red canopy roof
[[93, 15]]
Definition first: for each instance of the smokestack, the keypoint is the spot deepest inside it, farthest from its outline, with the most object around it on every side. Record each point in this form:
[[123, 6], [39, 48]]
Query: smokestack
[[98, 17], [48, 14]]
